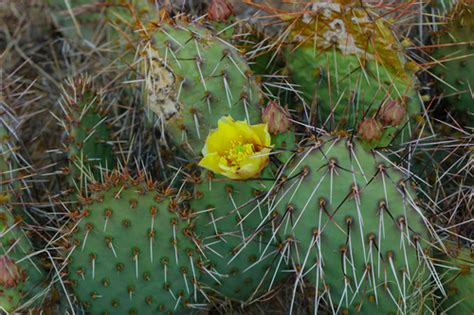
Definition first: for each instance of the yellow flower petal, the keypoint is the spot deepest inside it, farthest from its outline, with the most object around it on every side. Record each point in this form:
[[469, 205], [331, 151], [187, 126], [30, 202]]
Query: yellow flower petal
[[211, 162], [254, 164], [236, 149], [247, 133], [229, 172], [262, 131], [227, 133]]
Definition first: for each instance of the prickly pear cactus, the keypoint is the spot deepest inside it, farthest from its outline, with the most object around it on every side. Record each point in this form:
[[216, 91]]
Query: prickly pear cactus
[[348, 64], [92, 22], [453, 58], [85, 121], [237, 262], [194, 78], [130, 251], [21, 275], [459, 281], [351, 227]]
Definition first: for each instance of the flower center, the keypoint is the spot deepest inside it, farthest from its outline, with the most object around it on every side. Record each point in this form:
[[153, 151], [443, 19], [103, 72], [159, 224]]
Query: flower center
[[239, 153]]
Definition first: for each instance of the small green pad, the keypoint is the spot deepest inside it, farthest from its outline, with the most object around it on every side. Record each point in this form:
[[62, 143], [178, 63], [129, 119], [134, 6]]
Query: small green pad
[[89, 150], [21, 275]]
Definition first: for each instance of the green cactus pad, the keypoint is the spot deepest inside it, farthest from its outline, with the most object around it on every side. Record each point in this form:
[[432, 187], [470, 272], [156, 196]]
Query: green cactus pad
[[459, 281], [131, 253], [357, 93], [89, 22], [193, 79], [239, 264], [454, 57], [347, 65], [21, 275], [89, 150], [351, 226]]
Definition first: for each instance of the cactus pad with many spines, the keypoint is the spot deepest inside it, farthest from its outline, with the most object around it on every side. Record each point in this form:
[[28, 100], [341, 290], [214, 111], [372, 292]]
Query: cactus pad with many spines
[[89, 150], [239, 264], [193, 79], [454, 60], [131, 253], [21, 275], [347, 64], [351, 226]]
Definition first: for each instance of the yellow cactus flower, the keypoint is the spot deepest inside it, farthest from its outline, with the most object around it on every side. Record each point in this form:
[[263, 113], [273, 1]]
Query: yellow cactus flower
[[236, 149]]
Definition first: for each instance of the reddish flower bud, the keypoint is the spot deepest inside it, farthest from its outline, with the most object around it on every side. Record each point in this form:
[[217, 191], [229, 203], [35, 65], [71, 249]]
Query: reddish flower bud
[[10, 273], [219, 10], [393, 113], [370, 129], [276, 117]]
